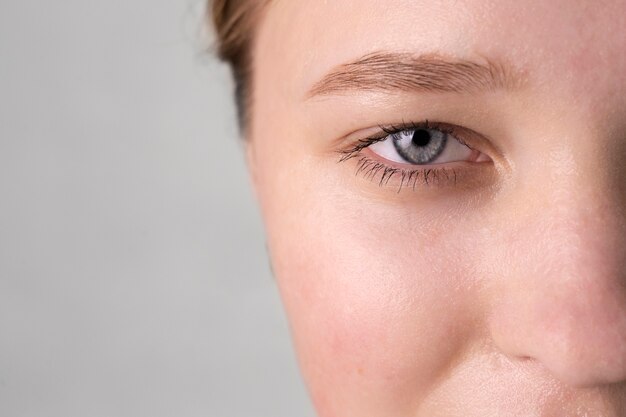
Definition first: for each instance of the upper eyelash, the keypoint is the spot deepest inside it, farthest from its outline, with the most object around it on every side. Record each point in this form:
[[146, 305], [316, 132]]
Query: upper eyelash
[[409, 177], [388, 130]]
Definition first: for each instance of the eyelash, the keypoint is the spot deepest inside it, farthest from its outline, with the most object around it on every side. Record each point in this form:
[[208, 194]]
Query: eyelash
[[429, 175]]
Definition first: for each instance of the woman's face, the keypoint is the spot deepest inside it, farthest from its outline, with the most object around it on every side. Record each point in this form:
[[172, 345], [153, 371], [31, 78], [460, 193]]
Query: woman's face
[[443, 188]]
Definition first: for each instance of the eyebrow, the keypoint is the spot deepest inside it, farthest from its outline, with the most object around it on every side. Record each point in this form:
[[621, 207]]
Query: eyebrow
[[390, 72]]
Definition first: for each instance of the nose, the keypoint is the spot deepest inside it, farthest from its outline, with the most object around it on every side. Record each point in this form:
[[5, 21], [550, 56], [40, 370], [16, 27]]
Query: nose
[[559, 296]]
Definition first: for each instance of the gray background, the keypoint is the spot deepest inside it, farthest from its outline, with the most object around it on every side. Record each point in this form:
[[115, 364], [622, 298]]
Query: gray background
[[133, 275]]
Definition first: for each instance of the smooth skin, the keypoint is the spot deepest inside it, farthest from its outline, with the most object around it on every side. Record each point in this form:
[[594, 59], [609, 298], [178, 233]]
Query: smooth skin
[[503, 294]]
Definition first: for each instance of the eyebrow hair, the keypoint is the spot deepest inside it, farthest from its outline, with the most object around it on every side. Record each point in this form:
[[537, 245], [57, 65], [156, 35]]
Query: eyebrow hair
[[388, 72]]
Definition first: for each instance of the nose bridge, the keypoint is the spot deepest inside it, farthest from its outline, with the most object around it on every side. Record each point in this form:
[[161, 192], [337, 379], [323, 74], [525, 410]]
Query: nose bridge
[[563, 298], [581, 222]]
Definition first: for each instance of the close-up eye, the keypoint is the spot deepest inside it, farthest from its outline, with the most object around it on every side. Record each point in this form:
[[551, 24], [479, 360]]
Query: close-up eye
[[423, 145], [428, 153]]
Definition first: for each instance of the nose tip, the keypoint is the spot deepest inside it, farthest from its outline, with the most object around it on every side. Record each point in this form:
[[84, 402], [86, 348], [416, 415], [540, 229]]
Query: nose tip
[[561, 299]]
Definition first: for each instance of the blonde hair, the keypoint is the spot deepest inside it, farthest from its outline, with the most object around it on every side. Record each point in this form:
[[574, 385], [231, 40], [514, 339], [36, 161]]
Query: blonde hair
[[235, 23]]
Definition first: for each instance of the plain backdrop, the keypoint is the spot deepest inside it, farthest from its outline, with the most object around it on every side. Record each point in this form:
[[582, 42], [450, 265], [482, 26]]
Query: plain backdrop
[[133, 274]]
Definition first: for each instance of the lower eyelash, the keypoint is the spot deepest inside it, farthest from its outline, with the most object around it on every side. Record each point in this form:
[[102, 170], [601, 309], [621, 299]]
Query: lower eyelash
[[371, 170]]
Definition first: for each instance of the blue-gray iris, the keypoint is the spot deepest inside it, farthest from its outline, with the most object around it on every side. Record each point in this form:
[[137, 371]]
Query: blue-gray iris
[[420, 146]]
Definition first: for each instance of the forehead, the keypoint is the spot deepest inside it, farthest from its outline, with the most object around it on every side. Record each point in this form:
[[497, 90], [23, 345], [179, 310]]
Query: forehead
[[566, 41]]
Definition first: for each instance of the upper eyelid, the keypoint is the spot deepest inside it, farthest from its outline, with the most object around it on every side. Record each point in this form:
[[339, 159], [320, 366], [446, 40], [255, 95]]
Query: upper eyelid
[[454, 131], [426, 124], [458, 132]]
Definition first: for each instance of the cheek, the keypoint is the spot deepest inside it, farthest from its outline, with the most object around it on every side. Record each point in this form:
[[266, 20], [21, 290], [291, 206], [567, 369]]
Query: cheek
[[378, 298]]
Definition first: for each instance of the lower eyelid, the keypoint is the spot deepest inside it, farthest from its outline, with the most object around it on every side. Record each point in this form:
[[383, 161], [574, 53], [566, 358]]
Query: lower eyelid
[[387, 174]]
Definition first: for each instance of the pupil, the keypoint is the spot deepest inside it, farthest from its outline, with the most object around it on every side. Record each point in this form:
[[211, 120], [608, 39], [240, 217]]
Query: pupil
[[421, 137]]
